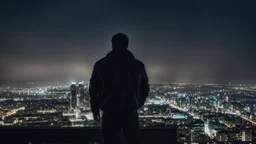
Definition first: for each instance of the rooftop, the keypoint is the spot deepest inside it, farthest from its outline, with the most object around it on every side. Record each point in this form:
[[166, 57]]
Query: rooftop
[[79, 135]]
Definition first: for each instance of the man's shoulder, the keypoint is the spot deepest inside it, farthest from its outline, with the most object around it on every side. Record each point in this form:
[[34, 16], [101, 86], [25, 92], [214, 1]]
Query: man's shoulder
[[101, 61], [138, 62]]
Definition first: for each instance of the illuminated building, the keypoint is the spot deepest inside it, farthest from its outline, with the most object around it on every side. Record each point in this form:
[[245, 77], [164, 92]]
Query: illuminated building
[[246, 135], [193, 136], [198, 126], [197, 130], [251, 112], [77, 95], [81, 95], [78, 113], [1, 122], [73, 96], [222, 136]]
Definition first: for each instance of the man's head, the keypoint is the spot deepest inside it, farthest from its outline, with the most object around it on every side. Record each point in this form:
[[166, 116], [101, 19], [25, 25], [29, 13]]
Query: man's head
[[119, 41]]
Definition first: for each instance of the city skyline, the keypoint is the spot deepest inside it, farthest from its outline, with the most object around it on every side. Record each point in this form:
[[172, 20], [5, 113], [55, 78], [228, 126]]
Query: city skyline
[[198, 113], [186, 41]]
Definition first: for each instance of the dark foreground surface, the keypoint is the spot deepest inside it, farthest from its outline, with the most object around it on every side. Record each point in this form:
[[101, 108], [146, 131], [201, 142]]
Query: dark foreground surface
[[78, 136]]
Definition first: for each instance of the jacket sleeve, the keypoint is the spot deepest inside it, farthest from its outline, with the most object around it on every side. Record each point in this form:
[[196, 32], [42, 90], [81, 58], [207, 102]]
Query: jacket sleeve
[[144, 87], [94, 90]]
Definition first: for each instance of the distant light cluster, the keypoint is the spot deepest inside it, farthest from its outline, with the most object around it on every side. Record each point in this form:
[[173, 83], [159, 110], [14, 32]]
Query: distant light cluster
[[200, 112]]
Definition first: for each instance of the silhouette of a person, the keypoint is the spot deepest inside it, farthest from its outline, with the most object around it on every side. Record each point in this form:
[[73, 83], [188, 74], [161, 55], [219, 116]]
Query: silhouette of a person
[[119, 87]]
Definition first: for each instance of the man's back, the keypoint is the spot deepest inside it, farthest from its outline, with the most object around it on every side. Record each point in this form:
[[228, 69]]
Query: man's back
[[119, 87], [122, 79]]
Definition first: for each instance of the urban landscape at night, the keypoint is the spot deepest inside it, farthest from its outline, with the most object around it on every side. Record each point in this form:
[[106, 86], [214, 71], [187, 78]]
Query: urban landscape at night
[[200, 112], [127, 72]]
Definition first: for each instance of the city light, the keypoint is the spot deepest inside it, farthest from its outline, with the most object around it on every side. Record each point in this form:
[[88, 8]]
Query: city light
[[212, 113]]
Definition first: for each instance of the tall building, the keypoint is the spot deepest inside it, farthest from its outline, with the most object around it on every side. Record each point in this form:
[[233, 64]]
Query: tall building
[[246, 135], [251, 112], [78, 113], [194, 136], [197, 130], [81, 94], [188, 101], [73, 96]]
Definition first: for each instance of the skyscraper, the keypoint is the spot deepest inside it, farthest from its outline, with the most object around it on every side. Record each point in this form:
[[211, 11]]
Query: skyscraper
[[251, 112], [73, 96], [81, 94]]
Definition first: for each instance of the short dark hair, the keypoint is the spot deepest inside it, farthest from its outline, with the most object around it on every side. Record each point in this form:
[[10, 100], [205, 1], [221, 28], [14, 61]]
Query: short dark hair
[[120, 41]]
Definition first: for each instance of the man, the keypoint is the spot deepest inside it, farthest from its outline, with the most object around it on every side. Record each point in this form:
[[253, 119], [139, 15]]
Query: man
[[119, 87]]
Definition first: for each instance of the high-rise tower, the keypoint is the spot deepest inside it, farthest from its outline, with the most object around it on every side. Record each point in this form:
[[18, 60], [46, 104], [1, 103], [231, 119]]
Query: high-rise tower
[[251, 112], [81, 94], [73, 96]]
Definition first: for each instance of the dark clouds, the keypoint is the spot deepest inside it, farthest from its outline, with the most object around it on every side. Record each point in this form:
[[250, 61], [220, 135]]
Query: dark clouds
[[191, 41]]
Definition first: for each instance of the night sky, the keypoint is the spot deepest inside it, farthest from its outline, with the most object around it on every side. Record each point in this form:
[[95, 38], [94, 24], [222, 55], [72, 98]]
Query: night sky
[[196, 41]]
